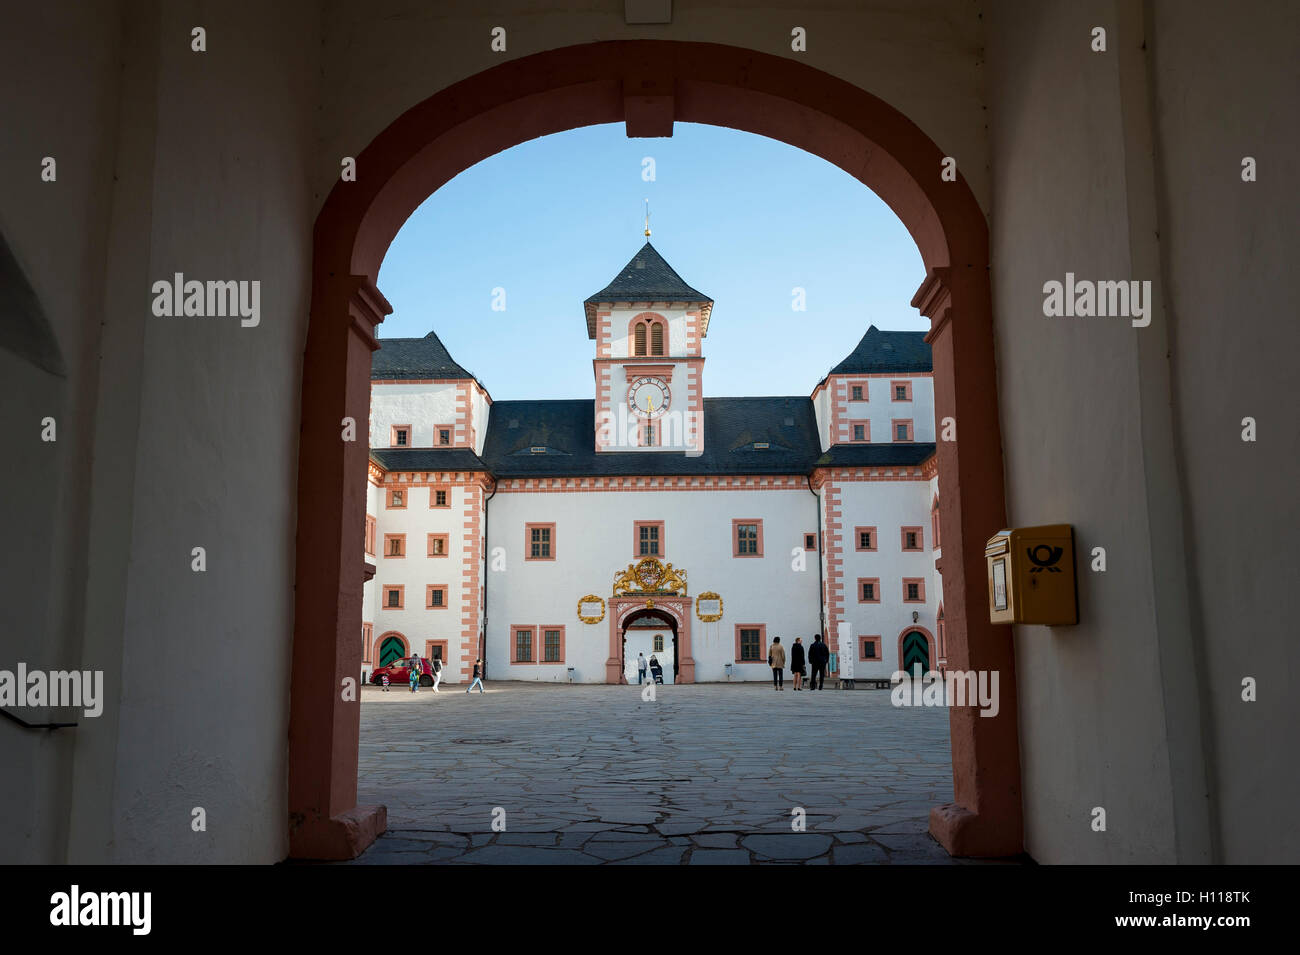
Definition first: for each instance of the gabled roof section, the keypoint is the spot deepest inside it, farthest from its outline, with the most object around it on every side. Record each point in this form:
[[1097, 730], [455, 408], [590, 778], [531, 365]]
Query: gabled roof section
[[416, 359], [881, 351], [647, 278]]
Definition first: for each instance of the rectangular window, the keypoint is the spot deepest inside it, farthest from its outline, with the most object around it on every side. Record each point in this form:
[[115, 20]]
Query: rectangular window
[[539, 541], [809, 541], [855, 393], [902, 429], [523, 644], [913, 590], [902, 390], [934, 524], [747, 538], [442, 434], [553, 645], [649, 435], [439, 497], [367, 637], [656, 338], [401, 436], [659, 643], [396, 498], [436, 598], [861, 430], [394, 545], [750, 640], [868, 590], [912, 539], [864, 538], [371, 525], [870, 648], [394, 596], [436, 650], [437, 545], [648, 540]]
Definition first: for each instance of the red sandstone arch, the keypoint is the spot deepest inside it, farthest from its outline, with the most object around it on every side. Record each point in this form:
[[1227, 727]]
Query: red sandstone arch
[[642, 83]]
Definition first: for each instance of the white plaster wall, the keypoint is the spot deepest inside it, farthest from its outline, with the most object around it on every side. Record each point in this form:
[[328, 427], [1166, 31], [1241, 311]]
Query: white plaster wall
[[881, 410], [481, 411], [421, 406], [621, 342], [1093, 728], [58, 233], [416, 571], [822, 411], [594, 541], [889, 506], [1225, 88], [925, 57]]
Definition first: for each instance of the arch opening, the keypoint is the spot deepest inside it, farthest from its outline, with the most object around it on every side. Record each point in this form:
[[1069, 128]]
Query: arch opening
[[587, 85]]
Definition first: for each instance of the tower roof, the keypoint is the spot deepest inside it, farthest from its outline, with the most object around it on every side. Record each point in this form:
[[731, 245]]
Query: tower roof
[[415, 358], [647, 278], [882, 351]]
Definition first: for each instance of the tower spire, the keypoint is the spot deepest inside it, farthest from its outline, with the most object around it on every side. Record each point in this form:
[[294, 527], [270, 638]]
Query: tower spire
[[647, 218]]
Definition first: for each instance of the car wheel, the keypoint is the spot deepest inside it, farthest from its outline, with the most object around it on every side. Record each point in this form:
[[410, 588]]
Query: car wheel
[[426, 680]]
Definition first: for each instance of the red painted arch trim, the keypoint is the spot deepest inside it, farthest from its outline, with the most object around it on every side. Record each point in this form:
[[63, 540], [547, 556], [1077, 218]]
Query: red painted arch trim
[[567, 88]]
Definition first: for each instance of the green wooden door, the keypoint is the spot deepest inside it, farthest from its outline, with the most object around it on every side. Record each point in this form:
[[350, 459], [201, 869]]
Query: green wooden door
[[916, 653], [390, 650]]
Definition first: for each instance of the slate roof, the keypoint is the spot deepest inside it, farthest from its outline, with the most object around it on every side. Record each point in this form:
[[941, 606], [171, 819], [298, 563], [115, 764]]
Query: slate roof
[[415, 358], [427, 459], [646, 278], [881, 351], [732, 426]]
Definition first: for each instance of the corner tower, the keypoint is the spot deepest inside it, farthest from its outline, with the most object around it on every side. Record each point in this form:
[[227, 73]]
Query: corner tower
[[648, 326]]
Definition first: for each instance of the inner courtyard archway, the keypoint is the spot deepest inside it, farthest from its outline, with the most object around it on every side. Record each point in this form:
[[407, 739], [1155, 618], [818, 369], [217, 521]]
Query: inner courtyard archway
[[647, 84]]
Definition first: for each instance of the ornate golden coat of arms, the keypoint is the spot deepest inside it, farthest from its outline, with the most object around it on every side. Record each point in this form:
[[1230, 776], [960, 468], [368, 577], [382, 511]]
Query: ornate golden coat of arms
[[649, 575]]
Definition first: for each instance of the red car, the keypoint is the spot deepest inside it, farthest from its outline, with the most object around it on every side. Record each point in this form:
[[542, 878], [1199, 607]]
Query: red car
[[399, 672]]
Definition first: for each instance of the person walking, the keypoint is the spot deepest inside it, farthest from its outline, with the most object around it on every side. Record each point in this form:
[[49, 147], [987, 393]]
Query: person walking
[[415, 674], [478, 677], [797, 663], [437, 673], [383, 677], [641, 667], [776, 660], [818, 656]]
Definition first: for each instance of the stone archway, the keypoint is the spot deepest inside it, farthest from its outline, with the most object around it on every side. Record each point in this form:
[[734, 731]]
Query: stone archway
[[635, 621], [621, 611], [646, 84]]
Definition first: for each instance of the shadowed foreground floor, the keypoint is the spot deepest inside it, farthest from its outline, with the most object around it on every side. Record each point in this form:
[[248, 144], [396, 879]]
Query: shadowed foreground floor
[[703, 774]]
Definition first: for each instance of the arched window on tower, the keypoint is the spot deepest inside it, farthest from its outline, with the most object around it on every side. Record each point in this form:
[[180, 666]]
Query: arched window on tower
[[638, 337], [657, 338]]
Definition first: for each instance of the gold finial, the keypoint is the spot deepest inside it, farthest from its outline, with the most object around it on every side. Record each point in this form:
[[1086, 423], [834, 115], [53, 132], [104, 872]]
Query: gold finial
[[647, 218]]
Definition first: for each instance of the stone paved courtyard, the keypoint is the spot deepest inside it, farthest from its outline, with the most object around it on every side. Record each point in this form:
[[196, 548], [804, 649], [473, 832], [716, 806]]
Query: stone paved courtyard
[[704, 774]]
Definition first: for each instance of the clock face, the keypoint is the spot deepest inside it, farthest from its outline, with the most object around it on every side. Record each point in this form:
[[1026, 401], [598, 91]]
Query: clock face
[[648, 397]]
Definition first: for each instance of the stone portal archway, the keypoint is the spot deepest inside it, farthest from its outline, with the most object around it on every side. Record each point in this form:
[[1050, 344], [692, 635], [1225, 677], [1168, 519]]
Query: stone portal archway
[[623, 610], [646, 84]]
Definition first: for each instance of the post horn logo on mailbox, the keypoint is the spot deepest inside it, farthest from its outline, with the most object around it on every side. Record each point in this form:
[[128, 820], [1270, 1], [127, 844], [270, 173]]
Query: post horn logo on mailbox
[[1044, 558]]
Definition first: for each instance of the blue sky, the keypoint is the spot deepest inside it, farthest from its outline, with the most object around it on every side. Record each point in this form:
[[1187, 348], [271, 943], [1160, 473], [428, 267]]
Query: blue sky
[[742, 218]]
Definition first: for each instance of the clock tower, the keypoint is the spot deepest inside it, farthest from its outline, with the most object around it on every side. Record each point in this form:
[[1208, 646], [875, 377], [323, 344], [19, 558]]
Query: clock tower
[[648, 326]]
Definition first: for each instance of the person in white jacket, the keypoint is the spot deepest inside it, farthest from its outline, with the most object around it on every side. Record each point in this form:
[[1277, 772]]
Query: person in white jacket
[[437, 673]]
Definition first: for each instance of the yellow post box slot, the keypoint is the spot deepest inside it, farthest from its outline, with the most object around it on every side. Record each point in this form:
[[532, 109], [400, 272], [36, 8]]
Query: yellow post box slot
[[1031, 576]]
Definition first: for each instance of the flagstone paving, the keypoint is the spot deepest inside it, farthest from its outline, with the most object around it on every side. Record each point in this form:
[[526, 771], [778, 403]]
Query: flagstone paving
[[704, 774]]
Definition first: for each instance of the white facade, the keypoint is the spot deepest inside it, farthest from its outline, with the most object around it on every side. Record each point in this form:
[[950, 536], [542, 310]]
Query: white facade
[[520, 550]]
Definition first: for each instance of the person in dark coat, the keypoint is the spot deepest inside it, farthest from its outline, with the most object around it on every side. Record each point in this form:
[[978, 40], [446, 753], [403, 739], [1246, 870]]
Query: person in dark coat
[[818, 656], [797, 663]]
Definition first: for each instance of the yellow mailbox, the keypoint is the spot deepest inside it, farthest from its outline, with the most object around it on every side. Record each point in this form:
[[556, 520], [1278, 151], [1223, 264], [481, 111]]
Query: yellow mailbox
[[1031, 576]]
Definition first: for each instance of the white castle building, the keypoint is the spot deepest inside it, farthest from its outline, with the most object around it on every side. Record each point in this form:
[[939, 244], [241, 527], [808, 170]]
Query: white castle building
[[557, 539]]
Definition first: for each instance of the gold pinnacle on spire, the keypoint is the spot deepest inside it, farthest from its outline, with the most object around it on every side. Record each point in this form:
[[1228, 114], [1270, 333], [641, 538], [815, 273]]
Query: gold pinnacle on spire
[[647, 218]]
